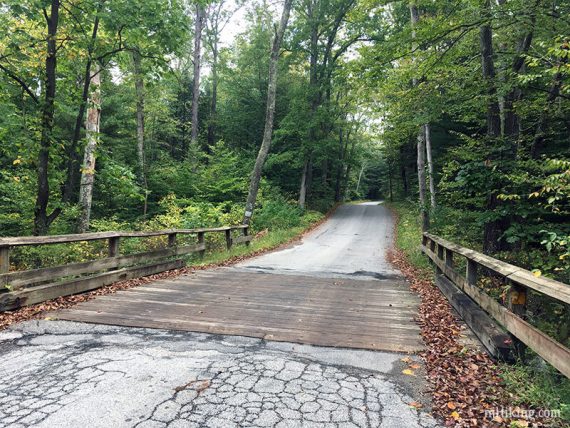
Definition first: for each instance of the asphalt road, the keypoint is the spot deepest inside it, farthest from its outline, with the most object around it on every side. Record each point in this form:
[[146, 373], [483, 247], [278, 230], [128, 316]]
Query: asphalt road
[[66, 374], [354, 242]]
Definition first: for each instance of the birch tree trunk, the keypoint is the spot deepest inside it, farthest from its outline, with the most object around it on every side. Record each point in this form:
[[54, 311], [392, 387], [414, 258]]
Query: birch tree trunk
[[139, 89], [269, 114], [430, 166], [71, 182], [92, 122], [303, 188], [421, 138], [198, 26]]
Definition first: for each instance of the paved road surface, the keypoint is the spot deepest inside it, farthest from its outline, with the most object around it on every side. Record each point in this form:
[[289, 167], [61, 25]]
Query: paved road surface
[[67, 374], [353, 242]]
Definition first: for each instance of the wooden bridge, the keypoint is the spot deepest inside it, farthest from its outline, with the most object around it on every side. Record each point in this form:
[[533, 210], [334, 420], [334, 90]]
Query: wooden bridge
[[330, 311]]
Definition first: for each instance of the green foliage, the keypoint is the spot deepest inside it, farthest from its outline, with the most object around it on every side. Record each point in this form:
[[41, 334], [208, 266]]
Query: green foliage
[[409, 232], [548, 390]]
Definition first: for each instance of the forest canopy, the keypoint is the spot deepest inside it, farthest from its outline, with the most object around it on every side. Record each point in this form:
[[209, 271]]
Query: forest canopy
[[138, 114]]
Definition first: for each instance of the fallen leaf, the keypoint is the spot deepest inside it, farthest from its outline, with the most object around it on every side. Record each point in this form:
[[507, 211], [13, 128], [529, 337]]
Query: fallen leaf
[[408, 372], [451, 405], [416, 404], [455, 416], [415, 366]]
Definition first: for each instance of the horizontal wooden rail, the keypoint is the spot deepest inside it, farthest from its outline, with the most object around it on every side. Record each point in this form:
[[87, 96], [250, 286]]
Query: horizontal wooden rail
[[441, 253], [22, 288]]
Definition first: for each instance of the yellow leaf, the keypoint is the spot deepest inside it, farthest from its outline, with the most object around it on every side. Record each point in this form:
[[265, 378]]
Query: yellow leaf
[[455, 416], [536, 273], [408, 372], [17, 161]]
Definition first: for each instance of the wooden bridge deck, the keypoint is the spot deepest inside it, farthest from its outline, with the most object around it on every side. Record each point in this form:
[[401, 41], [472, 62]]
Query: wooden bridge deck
[[339, 312]]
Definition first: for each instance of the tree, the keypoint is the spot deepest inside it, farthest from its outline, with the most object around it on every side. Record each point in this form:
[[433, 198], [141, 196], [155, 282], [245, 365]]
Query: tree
[[139, 90], [269, 115], [198, 26], [42, 219], [92, 126]]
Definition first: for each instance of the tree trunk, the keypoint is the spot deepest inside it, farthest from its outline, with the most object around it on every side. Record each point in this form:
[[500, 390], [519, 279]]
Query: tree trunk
[[303, 188], [92, 136], [139, 89], [71, 182], [421, 139], [421, 150], [42, 220], [269, 114], [359, 178], [198, 26], [430, 166], [492, 229], [339, 168], [540, 132], [213, 105]]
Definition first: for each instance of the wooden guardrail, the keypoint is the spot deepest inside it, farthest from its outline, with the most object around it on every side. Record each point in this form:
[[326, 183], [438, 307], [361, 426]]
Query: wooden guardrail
[[442, 252], [21, 288]]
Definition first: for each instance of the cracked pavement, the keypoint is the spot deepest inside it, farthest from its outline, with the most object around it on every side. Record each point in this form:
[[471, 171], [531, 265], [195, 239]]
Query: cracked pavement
[[66, 374]]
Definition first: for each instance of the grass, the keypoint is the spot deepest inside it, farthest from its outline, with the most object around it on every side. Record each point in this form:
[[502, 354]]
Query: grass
[[270, 240], [409, 233], [539, 386]]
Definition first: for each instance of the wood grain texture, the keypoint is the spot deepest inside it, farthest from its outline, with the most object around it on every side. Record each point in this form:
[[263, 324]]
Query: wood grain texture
[[337, 312]]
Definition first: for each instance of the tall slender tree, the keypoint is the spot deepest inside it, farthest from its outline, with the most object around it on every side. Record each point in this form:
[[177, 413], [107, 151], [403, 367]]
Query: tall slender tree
[[269, 114], [139, 90], [92, 127], [197, 59], [422, 134], [42, 219]]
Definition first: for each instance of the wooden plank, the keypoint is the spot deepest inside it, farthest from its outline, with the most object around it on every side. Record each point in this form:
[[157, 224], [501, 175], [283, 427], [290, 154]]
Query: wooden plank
[[299, 309], [495, 340], [549, 287], [17, 280], [274, 334], [4, 260], [242, 239], [261, 312], [549, 349], [13, 300], [79, 237]]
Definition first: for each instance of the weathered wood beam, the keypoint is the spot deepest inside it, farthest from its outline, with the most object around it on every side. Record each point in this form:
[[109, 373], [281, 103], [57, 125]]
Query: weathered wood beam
[[29, 296]]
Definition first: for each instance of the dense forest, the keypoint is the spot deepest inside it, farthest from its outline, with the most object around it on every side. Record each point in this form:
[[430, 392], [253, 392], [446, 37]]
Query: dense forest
[[139, 114]]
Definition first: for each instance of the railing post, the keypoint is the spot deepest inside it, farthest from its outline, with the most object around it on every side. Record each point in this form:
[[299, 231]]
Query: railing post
[[438, 270], [448, 258], [471, 272], [172, 239], [114, 246], [228, 239], [516, 299], [516, 303], [201, 241], [246, 233], [4, 259], [424, 240]]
